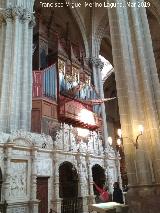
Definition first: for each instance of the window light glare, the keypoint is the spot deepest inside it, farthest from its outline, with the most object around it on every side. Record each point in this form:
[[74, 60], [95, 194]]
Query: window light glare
[[119, 132], [110, 140], [141, 128], [118, 142]]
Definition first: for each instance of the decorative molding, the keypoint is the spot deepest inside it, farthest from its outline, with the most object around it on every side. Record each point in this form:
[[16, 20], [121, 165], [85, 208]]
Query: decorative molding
[[110, 152], [27, 139], [18, 210], [67, 140]]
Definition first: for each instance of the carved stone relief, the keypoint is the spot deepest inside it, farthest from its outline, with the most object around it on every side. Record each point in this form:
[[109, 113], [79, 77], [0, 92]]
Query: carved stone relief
[[1, 155], [68, 140], [28, 139], [18, 210], [110, 152], [44, 167], [18, 179], [83, 173]]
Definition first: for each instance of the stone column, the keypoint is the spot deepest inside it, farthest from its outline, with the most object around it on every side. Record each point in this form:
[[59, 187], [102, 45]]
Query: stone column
[[6, 33], [97, 66], [7, 168], [129, 100], [56, 199], [110, 162], [83, 181], [91, 196], [24, 93], [17, 14], [16, 66], [33, 197], [150, 88], [138, 99]]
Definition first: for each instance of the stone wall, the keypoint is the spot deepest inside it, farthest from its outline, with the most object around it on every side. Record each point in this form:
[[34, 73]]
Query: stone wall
[[26, 156]]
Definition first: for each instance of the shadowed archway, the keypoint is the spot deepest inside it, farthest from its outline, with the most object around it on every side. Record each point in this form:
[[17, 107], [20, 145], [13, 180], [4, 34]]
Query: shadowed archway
[[99, 177], [68, 179]]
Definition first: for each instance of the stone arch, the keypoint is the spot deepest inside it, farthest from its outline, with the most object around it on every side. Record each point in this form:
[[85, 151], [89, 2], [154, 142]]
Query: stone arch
[[101, 32], [68, 180], [81, 26], [154, 26], [99, 177], [78, 18], [155, 8]]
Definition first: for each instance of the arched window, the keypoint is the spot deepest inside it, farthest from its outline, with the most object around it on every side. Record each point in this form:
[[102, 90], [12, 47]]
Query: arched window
[[108, 68]]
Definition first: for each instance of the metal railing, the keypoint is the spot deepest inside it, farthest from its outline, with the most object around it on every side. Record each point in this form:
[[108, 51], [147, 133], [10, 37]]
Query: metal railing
[[72, 205]]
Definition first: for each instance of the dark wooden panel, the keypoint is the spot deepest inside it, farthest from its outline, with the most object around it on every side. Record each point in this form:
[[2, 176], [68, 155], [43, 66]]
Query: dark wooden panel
[[49, 109], [42, 194], [36, 121]]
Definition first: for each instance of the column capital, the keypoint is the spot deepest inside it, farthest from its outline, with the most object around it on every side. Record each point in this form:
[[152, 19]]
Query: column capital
[[96, 62], [27, 15], [6, 14], [32, 22], [17, 12]]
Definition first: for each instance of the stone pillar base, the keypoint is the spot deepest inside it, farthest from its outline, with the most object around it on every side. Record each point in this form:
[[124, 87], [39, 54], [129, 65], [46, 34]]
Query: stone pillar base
[[57, 205], [34, 206], [85, 204], [91, 199], [144, 199]]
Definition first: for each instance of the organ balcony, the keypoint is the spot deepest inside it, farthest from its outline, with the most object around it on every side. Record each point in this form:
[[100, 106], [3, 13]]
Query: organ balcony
[[61, 95]]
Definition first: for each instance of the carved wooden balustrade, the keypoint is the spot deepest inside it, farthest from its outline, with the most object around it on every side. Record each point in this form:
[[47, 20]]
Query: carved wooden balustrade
[[78, 113]]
